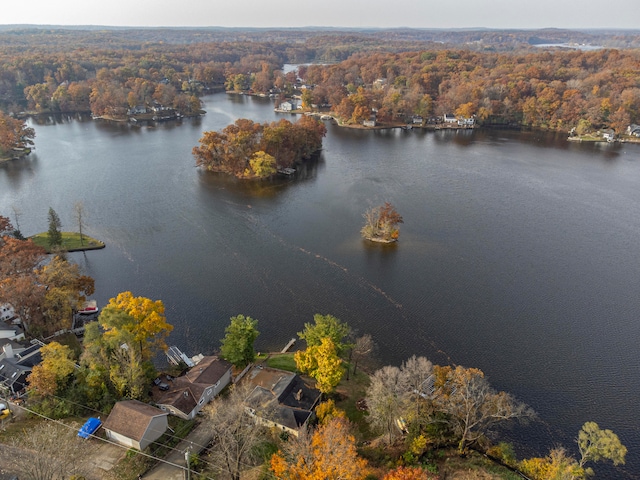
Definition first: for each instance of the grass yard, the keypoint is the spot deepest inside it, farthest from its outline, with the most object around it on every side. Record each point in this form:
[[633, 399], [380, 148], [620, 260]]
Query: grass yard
[[71, 242]]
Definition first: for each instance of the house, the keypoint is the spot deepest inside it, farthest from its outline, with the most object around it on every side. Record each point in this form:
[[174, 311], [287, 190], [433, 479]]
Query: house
[[379, 83], [449, 118], [137, 110], [12, 332], [286, 106], [279, 398], [634, 130], [15, 367], [466, 122], [7, 312], [417, 120], [609, 135], [189, 393], [135, 424]]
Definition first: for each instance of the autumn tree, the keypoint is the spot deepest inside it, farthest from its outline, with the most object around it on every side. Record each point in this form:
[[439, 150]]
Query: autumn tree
[[381, 223], [328, 453], [326, 326], [555, 466], [409, 473], [66, 290], [54, 234], [14, 134], [237, 344], [19, 286], [322, 363], [596, 444], [471, 405], [140, 316], [50, 376]]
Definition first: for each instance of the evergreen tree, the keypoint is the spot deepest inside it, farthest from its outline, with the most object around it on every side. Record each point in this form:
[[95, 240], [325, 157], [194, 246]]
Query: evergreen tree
[[55, 236]]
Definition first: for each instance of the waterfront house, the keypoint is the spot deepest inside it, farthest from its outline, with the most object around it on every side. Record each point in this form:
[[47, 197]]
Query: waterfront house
[[279, 398], [286, 106], [189, 393], [609, 135], [449, 118], [135, 424], [634, 130]]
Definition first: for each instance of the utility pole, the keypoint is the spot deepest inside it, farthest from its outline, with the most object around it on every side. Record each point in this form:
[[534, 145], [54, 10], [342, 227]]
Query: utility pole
[[186, 458]]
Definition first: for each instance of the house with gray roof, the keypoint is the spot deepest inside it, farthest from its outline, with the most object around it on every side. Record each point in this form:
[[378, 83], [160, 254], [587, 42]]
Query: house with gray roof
[[16, 366], [135, 424], [189, 393], [279, 398]]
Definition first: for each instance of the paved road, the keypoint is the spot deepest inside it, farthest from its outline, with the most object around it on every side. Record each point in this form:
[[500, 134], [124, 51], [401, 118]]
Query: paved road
[[197, 440]]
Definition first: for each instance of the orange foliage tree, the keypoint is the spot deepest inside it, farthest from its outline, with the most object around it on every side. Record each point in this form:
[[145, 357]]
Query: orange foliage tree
[[330, 452]]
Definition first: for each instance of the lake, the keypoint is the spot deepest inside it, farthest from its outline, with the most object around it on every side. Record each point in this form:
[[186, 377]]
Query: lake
[[518, 254]]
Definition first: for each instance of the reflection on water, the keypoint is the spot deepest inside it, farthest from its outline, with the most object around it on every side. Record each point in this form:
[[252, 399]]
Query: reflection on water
[[518, 254]]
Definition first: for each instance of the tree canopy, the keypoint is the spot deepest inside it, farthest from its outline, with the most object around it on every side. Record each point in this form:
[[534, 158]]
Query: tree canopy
[[142, 317], [247, 149], [237, 344], [326, 326]]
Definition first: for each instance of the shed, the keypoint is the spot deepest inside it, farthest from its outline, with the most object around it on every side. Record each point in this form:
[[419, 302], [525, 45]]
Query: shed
[[135, 424]]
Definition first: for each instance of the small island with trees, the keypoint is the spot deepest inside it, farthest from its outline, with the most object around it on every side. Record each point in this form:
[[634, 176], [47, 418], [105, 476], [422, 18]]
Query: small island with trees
[[250, 150], [381, 224]]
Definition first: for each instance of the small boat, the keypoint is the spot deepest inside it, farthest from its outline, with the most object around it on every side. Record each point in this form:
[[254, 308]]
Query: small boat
[[89, 307]]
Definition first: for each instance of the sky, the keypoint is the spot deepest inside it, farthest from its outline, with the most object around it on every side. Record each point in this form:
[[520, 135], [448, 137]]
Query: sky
[[526, 14]]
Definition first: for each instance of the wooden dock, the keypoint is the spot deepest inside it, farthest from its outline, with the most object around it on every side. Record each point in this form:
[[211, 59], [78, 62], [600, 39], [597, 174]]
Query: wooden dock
[[288, 345]]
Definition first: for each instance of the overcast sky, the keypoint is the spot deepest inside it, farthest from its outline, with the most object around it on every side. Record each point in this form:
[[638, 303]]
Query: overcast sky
[[334, 13]]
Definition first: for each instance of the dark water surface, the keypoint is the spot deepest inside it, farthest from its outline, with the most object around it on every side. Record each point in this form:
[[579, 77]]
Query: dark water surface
[[519, 253]]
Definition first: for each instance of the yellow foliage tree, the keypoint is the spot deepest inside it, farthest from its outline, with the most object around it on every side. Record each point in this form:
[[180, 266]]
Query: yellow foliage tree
[[56, 366], [140, 316], [330, 453], [322, 363], [409, 473], [557, 465], [262, 165], [327, 411]]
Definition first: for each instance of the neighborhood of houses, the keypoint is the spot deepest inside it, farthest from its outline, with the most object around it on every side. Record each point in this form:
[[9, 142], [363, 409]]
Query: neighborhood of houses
[[276, 398]]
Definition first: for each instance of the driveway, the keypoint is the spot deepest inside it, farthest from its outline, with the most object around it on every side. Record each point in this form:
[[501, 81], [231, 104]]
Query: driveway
[[196, 441]]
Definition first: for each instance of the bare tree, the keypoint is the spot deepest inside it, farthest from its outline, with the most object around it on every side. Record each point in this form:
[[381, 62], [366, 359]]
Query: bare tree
[[362, 348], [235, 434], [418, 378], [79, 214], [48, 452], [386, 399]]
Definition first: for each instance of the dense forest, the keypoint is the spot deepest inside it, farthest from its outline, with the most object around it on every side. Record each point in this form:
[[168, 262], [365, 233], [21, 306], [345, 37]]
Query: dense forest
[[247, 149], [498, 77]]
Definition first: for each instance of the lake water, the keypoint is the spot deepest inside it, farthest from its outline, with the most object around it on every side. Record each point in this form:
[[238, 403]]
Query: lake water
[[519, 253]]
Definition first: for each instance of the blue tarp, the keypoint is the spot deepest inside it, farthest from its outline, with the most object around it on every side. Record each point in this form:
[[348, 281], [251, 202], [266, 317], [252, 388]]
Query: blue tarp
[[90, 427]]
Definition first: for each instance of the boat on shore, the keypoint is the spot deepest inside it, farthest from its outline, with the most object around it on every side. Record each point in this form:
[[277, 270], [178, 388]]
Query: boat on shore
[[89, 308]]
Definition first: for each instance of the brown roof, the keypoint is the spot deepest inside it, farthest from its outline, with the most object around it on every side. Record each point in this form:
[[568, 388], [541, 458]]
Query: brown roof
[[187, 390], [131, 418], [208, 371]]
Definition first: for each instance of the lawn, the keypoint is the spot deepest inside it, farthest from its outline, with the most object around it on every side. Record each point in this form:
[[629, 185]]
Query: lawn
[[71, 242], [283, 361]]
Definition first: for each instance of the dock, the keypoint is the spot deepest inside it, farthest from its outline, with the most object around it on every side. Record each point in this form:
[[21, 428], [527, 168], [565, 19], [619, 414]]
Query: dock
[[288, 345]]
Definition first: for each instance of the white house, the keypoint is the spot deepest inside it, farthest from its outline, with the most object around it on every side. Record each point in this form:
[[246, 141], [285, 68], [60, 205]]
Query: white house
[[286, 106], [135, 424], [449, 118], [189, 393]]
